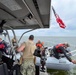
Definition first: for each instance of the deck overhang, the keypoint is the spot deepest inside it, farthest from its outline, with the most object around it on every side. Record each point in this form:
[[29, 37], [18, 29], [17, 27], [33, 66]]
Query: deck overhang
[[25, 14]]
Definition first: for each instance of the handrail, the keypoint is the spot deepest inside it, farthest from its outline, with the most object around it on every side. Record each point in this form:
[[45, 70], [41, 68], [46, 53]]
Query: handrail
[[24, 33], [12, 32], [72, 51]]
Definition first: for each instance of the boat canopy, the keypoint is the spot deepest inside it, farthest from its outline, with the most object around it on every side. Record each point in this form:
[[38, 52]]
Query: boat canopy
[[25, 14]]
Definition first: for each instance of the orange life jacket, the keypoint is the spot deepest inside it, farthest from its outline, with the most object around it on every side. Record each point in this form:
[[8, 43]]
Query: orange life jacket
[[39, 45], [59, 45]]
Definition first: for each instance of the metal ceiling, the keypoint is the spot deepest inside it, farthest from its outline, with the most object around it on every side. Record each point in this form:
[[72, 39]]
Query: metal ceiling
[[25, 14]]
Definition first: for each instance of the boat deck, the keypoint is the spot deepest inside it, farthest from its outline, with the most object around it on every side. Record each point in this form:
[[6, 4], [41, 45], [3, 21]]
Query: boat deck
[[44, 73]]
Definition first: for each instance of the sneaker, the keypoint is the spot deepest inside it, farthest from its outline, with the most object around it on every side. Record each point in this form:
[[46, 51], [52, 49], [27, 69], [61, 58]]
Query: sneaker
[[42, 69]]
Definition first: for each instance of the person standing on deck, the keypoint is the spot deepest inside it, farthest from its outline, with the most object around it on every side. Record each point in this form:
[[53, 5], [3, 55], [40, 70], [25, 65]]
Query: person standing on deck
[[41, 51], [14, 43], [28, 59], [39, 46]]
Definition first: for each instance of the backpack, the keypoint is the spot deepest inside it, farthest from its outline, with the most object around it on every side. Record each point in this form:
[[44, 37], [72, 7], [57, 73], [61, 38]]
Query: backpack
[[37, 52]]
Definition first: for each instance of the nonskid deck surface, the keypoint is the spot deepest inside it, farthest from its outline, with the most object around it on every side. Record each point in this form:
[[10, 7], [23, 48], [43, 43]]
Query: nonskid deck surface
[[44, 73]]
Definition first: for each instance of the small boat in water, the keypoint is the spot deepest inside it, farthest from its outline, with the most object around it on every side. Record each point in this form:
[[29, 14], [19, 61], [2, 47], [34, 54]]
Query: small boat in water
[[53, 63], [59, 64]]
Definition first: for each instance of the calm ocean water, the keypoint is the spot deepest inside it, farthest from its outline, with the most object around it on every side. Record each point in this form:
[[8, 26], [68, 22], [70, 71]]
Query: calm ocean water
[[50, 41]]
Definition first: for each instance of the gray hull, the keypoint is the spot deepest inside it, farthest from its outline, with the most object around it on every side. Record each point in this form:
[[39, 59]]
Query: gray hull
[[60, 64]]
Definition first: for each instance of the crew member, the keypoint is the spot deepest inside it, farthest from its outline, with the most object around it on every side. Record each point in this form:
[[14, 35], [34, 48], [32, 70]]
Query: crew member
[[3, 46], [61, 49], [28, 59], [39, 44]]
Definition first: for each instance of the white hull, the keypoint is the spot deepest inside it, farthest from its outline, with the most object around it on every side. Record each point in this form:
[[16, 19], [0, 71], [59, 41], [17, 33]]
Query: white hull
[[53, 63]]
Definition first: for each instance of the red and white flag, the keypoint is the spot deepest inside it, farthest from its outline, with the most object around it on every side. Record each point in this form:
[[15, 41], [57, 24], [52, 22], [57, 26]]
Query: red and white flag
[[58, 19]]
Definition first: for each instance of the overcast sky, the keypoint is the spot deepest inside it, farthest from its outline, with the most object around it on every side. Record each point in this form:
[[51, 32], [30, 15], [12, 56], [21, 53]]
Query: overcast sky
[[66, 9]]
